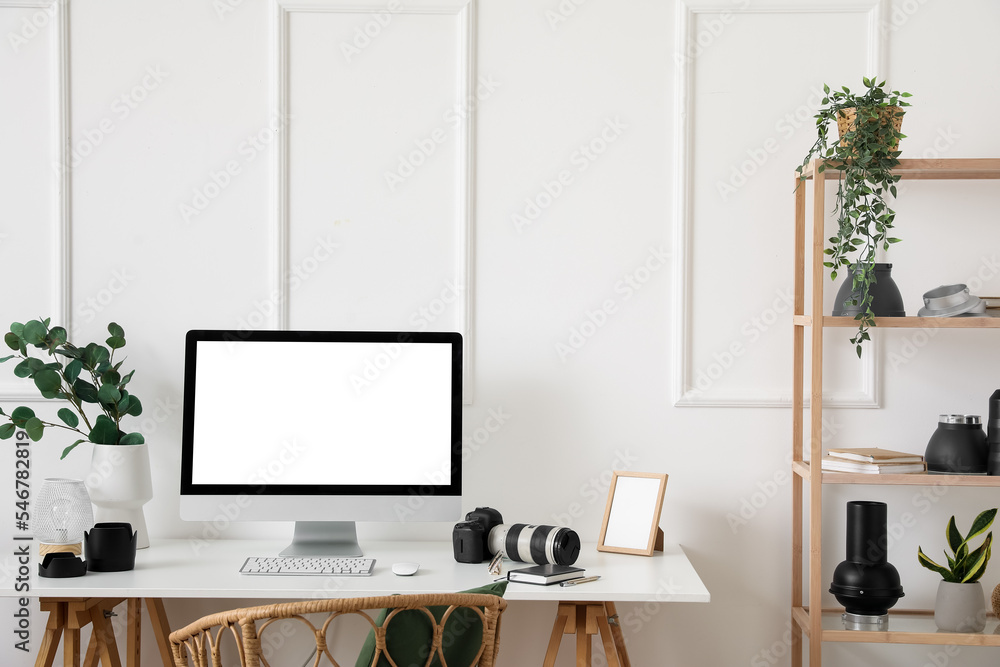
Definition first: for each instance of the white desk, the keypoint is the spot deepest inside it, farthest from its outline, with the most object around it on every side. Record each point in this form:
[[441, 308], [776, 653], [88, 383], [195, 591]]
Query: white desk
[[179, 568], [190, 569]]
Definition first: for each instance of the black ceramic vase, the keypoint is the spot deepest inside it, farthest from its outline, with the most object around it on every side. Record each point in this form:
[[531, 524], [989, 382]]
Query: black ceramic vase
[[866, 583], [886, 299], [958, 446]]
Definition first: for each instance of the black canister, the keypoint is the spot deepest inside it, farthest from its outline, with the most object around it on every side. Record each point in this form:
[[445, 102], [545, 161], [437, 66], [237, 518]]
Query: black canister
[[958, 446], [886, 299], [993, 436], [866, 583]]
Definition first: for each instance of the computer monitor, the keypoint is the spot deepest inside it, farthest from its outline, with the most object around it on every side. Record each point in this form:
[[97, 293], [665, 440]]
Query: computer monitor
[[322, 428]]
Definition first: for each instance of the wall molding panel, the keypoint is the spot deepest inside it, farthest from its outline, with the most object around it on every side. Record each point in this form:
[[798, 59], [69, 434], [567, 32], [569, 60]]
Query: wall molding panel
[[60, 296], [683, 381], [465, 15]]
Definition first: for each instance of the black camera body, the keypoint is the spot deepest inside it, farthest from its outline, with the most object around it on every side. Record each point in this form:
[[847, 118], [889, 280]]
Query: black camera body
[[483, 534], [470, 538]]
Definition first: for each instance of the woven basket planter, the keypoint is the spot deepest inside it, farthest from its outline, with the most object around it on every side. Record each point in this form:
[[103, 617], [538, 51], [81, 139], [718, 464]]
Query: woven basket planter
[[846, 120]]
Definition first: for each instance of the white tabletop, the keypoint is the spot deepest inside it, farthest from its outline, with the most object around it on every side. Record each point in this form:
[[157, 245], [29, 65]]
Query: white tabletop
[[180, 568]]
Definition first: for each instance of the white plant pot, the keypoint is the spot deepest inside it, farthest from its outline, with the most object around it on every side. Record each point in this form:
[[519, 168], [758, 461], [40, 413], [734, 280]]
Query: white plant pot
[[960, 607], [119, 484]]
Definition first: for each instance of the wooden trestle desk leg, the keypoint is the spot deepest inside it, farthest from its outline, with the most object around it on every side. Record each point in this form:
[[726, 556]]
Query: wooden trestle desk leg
[[68, 616], [586, 619]]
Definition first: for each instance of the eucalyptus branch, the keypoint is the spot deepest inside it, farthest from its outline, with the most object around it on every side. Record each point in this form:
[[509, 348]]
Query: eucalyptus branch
[[52, 379]]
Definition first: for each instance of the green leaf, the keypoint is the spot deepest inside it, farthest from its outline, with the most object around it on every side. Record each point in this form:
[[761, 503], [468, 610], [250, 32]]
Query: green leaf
[[116, 331], [124, 404], [115, 342], [7, 358], [111, 376], [954, 537], [23, 369], [977, 561], [86, 391], [134, 406], [58, 336], [981, 524], [70, 448], [21, 415], [68, 417], [47, 381], [12, 340], [94, 355], [72, 371], [931, 565], [6, 431], [34, 333], [34, 427], [104, 432], [17, 329], [125, 380], [132, 439], [108, 394]]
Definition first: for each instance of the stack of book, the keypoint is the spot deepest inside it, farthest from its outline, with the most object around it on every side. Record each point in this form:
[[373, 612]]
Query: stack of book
[[873, 461]]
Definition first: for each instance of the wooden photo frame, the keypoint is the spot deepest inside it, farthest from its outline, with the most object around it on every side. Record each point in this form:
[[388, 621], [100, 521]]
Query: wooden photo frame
[[632, 516]]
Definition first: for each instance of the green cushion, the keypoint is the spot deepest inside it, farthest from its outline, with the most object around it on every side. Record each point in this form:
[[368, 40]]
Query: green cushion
[[409, 637]]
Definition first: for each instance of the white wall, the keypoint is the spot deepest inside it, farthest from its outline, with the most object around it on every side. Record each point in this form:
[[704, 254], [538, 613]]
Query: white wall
[[692, 152]]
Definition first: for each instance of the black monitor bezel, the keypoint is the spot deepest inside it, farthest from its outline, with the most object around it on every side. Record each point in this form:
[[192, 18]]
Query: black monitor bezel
[[194, 336]]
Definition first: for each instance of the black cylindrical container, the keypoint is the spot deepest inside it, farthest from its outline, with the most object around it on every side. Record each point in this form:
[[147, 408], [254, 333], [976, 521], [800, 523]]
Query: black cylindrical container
[[958, 446], [867, 537], [865, 583], [886, 299], [993, 436]]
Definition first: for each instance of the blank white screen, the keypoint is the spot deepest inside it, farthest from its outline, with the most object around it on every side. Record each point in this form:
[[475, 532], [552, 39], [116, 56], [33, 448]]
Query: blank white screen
[[277, 412]]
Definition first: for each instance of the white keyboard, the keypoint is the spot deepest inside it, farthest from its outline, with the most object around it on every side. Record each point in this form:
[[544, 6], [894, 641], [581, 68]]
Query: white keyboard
[[309, 565]]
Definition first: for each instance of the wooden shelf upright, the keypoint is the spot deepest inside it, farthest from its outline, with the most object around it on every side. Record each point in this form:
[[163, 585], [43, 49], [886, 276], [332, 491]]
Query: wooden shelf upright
[[809, 619]]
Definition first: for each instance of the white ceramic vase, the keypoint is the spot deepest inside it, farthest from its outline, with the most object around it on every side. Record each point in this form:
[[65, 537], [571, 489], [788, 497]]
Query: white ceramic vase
[[120, 483], [960, 607]]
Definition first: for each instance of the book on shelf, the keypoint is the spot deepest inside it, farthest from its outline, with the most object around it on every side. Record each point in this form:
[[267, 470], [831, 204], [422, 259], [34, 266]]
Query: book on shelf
[[875, 455], [545, 574], [833, 464]]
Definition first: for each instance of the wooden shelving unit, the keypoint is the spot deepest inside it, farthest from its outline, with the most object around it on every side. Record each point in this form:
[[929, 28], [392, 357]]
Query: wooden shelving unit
[[905, 626]]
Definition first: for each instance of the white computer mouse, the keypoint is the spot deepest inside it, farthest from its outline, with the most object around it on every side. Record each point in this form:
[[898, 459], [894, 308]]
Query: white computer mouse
[[405, 569]]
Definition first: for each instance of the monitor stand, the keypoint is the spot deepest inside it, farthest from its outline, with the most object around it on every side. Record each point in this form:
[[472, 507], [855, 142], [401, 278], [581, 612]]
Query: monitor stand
[[324, 538]]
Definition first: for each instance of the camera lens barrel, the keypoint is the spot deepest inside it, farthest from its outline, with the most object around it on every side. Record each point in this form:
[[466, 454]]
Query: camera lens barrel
[[535, 544]]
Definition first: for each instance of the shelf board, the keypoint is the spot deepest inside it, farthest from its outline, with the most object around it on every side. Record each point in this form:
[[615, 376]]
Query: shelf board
[[905, 322], [802, 469], [905, 627], [953, 169]]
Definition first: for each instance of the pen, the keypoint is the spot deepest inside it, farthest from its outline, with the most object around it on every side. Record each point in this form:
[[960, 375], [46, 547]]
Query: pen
[[574, 582]]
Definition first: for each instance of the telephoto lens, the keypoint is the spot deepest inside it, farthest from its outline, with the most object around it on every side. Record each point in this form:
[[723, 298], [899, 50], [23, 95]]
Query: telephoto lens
[[535, 544]]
